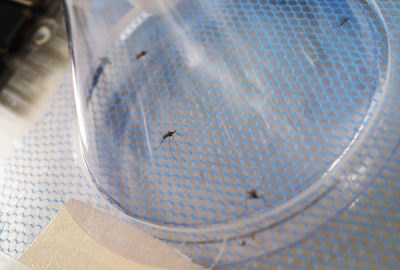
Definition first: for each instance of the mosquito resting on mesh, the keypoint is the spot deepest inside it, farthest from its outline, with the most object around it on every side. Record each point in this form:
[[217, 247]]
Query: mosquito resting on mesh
[[141, 54], [343, 21], [169, 135], [253, 195]]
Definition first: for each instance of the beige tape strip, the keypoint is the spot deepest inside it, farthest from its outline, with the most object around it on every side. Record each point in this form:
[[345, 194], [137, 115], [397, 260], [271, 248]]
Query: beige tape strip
[[64, 245]]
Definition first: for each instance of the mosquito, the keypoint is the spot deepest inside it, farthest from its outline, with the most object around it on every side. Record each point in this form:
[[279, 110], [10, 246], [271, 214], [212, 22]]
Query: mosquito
[[169, 135], [343, 21], [252, 195], [141, 54]]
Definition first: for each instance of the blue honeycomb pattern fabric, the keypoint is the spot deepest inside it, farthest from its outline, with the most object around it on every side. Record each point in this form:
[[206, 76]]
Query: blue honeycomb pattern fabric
[[38, 178], [257, 103]]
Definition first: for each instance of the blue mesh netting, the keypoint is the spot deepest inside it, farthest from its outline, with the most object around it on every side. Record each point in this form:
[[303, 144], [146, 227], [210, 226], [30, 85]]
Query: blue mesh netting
[[297, 134], [262, 102], [364, 237]]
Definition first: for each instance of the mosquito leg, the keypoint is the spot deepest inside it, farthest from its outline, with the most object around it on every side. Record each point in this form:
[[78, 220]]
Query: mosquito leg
[[245, 209], [247, 204], [267, 204], [170, 148], [173, 140], [161, 142]]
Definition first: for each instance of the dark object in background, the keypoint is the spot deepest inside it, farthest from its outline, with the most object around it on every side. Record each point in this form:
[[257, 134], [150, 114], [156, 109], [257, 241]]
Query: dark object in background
[[25, 25], [20, 20], [13, 18]]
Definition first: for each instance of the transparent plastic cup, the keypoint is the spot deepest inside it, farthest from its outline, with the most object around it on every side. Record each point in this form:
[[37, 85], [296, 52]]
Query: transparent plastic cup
[[231, 129]]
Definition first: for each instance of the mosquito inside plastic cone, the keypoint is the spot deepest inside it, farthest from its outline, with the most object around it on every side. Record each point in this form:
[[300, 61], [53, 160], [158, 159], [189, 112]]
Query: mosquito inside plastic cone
[[169, 135]]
